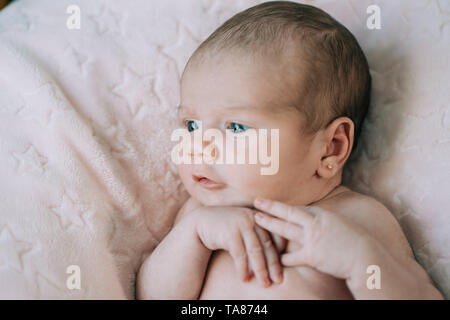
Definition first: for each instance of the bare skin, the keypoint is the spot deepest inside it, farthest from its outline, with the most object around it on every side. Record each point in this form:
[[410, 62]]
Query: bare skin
[[383, 242], [217, 243], [336, 278]]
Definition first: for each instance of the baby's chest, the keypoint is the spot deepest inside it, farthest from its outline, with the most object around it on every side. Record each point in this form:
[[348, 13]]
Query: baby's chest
[[223, 282]]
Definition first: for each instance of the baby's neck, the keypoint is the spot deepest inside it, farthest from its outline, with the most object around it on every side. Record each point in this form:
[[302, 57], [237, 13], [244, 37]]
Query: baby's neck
[[334, 192]]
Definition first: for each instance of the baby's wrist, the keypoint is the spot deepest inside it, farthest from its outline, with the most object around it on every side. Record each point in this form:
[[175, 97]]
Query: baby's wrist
[[193, 221]]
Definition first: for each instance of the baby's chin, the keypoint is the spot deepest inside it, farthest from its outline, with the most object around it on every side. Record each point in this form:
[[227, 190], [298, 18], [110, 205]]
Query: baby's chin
[[224, 201]]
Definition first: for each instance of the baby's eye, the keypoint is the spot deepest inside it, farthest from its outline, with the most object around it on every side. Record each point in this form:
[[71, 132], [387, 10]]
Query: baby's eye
[[237, 127], [191, 125]]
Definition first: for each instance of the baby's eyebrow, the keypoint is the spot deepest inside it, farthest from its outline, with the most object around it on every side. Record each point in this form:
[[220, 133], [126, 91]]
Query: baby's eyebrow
[[180, 109], [266, 109], [185, 110], [240, 108]]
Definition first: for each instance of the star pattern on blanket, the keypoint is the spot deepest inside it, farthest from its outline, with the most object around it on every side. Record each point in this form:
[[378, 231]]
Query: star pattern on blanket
[[30, 161], [15, 21], [435, 118], [106, 28], [121, 148], [31, 20], [12, 249], [182, 48], [220, 10], [69, 213], [107, 21], [413, 13], [138, 91], [74, 61], [206, 5], [47, 288], [39, 104], [11, 104]]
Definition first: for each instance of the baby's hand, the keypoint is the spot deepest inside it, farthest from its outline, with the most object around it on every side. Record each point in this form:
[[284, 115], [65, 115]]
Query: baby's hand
[[329, 243], [233, 229]]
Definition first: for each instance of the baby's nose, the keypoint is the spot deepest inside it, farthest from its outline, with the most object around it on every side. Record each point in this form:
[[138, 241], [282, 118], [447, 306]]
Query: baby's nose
[[207, 151]]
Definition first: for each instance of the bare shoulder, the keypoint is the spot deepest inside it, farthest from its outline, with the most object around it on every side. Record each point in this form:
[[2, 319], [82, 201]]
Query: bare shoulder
[[370, 214], [187, 207]]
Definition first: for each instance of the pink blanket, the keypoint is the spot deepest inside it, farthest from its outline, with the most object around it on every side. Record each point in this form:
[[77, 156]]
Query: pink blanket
[[86, 115]]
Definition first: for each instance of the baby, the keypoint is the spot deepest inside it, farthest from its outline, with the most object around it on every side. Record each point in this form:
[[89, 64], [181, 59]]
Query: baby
[[299, 233]]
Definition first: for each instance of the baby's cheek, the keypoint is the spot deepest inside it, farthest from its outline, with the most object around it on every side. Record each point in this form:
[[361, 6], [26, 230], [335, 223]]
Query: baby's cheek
[[181, 170], [185, 174], [248, 179]]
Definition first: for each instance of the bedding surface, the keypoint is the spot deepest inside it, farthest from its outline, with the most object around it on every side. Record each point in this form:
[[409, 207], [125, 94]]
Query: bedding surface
[[86, 116]]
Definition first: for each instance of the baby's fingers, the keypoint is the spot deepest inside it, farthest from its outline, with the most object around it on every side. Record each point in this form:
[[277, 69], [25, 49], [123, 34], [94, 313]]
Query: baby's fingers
[[283, 228], [239, 255], [256, 256], [295, 258], [271, 254], [294, 214]]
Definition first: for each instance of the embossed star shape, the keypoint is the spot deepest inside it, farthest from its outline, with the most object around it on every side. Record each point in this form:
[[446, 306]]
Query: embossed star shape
[[183, 47], [435, 11], [69, 213], [12, 249], [74, 61], [138, 91], [120, 146], [48, 289], [10, 103], [39, 104], [30, 161], [31, 19], [107, 21]]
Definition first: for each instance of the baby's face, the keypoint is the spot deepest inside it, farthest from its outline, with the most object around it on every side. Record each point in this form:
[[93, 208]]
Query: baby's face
[[238, 94]]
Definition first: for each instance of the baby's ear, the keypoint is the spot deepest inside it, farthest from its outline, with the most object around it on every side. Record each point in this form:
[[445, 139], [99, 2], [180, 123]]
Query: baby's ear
[[338, 140], [328, 167]]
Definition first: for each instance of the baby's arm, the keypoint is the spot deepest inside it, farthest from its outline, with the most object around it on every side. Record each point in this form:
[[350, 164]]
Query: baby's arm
[[177, 266], [344, 239], [402, 277]]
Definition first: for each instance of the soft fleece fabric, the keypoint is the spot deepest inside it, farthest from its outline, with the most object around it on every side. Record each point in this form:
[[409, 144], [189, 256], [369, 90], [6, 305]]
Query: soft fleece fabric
[[86, 116]]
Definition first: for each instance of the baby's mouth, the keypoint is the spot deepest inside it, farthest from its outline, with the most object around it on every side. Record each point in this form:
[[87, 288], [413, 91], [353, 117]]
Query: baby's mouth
[[207, 183]]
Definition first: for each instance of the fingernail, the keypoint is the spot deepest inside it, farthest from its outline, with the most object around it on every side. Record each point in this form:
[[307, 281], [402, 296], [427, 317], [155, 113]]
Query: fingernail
[[260, 201], [279, 278], [258, 215]]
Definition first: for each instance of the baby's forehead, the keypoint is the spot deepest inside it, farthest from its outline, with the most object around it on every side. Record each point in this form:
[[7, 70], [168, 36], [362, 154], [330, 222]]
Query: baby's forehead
[[266, 82], [230, 108]]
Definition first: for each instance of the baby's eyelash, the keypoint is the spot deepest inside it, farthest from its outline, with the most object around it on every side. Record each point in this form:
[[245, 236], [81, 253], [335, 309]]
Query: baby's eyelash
[[234, 127], [237, 126], [191, 124], [183, 121]]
